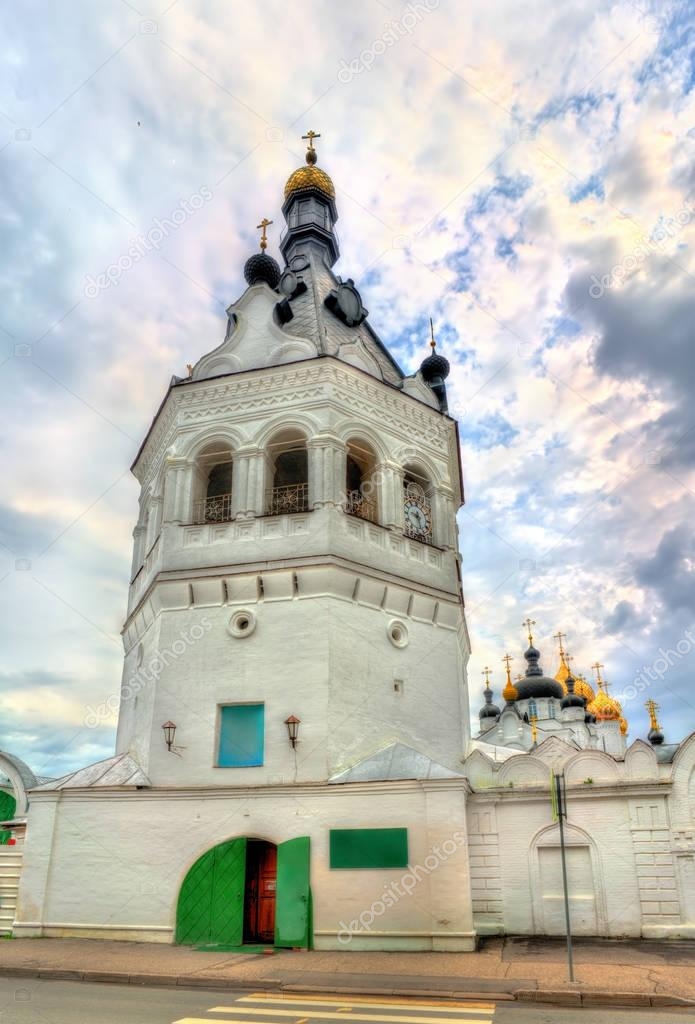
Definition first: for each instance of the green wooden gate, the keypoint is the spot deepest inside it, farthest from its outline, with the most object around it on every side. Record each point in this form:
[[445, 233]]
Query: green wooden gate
[[210, 908], [211, 902], [8, 805], [293, 904]]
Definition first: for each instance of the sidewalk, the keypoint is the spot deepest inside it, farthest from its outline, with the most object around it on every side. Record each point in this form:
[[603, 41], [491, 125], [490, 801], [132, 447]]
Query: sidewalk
[[609, 972]]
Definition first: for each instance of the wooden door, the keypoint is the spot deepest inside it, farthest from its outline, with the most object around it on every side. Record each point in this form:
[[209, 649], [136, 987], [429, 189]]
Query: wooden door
[[261, 882]]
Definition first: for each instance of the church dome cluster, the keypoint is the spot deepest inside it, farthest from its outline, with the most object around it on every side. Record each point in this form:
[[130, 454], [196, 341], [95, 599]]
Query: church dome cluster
[[564, 704]]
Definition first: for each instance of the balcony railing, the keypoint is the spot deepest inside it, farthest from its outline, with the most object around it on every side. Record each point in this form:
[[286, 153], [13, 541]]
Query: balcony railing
[[363, 508], [291, 498], [213, 510]]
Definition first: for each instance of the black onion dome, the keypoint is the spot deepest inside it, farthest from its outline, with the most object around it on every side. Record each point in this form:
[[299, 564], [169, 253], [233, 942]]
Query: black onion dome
[[435, 367], [534, 683], [572, 699], [488, 710], [655, 737], [261, 267]]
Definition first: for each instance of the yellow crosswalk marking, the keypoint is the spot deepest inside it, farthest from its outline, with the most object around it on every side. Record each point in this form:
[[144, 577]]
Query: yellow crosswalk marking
[[326, 1015], [391, 1002]]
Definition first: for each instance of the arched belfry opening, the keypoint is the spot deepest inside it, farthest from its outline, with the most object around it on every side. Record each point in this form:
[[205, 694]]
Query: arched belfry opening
[[417, 504], [288, 474], [361, 483], [213, 484]]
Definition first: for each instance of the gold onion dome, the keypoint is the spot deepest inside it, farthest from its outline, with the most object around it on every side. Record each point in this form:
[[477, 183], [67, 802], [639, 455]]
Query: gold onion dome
[[309, 176], [510, 692], [605, 707], [580, 684]]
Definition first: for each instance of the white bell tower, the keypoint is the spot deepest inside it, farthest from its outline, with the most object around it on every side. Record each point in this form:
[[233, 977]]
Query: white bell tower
[[296, 553]]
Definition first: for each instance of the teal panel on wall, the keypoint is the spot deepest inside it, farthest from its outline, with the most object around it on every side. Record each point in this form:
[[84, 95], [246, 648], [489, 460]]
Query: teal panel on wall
[[369, 847], [241, 735]]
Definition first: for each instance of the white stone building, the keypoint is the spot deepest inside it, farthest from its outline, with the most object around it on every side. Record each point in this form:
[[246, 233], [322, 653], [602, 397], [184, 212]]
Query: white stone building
[[294, 762]]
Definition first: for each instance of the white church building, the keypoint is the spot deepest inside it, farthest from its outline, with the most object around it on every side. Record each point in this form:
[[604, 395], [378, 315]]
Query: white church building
[[294, 762]]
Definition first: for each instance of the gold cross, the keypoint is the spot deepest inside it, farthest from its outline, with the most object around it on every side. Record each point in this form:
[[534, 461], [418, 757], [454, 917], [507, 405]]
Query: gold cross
[[487, 672], [528, 623], [652, 707], [597, 668], [310, 135], [560, 637], [263, 225]]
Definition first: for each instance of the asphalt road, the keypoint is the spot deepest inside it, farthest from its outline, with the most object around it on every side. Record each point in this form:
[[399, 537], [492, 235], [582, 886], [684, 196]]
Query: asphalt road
[[65, 1002]]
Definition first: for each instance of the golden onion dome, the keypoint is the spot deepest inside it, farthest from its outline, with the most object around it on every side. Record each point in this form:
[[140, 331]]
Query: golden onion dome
[[309, 176], [605, 707], [580, 684], [584, 689], [510, 692]]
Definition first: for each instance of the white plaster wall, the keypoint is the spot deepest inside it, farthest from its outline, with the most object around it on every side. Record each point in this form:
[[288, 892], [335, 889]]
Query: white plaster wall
[[138, 847]]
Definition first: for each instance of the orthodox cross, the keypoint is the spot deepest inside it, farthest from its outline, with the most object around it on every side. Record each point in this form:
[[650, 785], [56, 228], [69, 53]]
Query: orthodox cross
[[534, 728], [560, 637], [597, 666], [652, 707], [487, 672], [310, 135], [507, 659], [528, 623], [263, 225]]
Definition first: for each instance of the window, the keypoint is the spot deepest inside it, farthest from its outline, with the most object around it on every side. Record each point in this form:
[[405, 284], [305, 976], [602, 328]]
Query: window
[[361, 482], [532, 708], [289, 475], [213, 485], [552, 711], [240, 742]]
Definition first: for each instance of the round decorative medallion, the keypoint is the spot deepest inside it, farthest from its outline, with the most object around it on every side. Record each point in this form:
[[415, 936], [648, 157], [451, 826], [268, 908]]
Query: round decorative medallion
[[397, 633], [242, 624]]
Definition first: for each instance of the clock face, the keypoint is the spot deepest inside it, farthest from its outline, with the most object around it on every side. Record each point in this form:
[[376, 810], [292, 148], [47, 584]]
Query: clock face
[[417, 517]]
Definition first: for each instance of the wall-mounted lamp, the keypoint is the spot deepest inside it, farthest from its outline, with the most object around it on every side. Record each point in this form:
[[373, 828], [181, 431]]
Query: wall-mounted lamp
[[293, 724], [169, 733]]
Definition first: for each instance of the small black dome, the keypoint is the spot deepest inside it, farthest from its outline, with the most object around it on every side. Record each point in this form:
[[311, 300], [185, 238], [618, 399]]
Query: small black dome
[[434, 367], [488, 710], [261, 267], [572, 699], [655, 737]]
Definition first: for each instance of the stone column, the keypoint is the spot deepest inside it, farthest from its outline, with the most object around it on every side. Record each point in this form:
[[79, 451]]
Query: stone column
[[326, 470], [391, 495], [255, 485], [240, 481], [176, 508]]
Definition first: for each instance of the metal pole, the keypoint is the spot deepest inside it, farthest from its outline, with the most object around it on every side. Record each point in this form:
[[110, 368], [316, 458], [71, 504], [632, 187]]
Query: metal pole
[[559, 788]]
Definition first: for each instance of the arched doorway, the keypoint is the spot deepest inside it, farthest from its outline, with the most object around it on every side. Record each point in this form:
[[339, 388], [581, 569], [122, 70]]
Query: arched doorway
[[247, 891]]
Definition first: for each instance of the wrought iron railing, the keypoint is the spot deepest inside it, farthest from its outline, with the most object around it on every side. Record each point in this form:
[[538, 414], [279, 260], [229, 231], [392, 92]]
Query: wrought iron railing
[[358, 505], [424, 538], [213, 510], [290, 498]]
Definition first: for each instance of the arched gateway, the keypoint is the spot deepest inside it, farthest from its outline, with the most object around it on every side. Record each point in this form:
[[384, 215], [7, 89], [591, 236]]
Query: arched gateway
[[247, 890]]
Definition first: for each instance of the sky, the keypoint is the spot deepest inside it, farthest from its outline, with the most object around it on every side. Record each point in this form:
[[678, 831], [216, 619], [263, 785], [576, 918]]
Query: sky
[[519, 172]]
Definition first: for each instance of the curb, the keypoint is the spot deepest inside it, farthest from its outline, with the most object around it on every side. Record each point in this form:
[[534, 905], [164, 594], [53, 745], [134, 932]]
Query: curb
[[577, 997], [557, 997]]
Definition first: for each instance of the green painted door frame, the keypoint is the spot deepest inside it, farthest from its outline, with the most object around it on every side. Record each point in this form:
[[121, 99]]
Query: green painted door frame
[[8, 806]]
